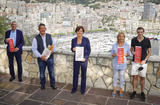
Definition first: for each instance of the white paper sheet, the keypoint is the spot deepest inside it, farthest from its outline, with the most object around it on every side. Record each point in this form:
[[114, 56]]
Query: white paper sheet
[[79, 53]]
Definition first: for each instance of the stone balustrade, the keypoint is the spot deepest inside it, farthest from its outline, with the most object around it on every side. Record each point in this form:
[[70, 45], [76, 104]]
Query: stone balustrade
[[99, 72]]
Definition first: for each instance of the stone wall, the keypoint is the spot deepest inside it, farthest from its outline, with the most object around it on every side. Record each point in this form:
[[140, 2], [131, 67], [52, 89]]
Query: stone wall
[[99, 72]]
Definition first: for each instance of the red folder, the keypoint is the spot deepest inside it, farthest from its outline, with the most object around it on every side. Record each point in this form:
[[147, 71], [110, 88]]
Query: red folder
[[120, 55], [137, 56], [11, 45]]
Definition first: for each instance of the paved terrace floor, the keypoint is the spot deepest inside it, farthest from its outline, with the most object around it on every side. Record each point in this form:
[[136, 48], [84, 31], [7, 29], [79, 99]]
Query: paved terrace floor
[[28, 92]]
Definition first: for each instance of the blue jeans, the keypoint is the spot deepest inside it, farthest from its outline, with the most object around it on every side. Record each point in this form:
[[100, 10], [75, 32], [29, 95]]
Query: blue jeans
[[42, 67]]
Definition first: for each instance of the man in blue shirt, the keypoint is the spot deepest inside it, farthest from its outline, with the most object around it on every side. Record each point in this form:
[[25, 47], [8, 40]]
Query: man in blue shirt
[[18, 41], [40, 42]]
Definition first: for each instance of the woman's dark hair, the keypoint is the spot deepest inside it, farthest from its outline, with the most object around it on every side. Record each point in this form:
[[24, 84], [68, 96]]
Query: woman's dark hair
[[140, 28], [41, 24], [78, 28]]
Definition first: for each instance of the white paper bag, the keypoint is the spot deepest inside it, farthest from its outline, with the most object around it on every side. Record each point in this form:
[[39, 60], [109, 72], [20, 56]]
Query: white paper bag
[[46, 53], [79, 54]]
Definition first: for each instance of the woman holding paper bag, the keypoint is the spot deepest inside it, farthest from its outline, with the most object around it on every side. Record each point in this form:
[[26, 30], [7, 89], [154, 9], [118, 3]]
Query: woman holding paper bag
[[81, 48], [119, 52]]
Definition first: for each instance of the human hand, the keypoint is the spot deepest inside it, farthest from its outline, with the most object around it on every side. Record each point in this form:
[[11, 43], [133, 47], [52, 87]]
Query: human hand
[[16, 49], [74, 49], [83, 60], [115, 54], [43, 58], [143, 62], [7, 40]]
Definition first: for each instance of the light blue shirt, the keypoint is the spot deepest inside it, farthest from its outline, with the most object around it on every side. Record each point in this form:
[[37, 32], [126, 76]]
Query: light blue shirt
[[13, 36], [34, 46], [115, 64]]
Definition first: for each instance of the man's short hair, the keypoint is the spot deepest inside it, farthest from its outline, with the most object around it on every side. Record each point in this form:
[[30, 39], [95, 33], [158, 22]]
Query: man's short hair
[[13, 22], [41, 24], [140, 28]]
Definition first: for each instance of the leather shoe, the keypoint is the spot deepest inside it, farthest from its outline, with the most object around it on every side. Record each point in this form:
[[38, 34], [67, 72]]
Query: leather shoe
[[53, 87], [42, 87], [73, 91], [82, 92], [20, 80], [11, 79]]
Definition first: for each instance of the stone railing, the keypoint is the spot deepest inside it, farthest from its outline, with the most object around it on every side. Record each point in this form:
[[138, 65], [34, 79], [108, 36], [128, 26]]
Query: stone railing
[[99, 72]]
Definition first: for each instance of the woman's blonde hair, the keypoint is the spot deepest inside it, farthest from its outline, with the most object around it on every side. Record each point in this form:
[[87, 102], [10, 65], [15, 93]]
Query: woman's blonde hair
[[119, 35]]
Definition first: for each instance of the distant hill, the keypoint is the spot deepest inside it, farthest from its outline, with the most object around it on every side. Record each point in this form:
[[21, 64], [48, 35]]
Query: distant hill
[[74, 1], [85, 2]]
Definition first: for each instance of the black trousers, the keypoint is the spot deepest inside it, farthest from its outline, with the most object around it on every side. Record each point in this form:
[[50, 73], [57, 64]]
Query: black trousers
[[18, 57], [76, 68]]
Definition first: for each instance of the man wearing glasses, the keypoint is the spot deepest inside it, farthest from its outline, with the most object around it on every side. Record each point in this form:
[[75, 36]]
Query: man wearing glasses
[[18, 41]]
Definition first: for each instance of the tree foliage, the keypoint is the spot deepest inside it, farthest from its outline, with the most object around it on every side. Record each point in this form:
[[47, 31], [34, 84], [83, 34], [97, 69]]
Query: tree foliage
[[156, 1], [3, 27]]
